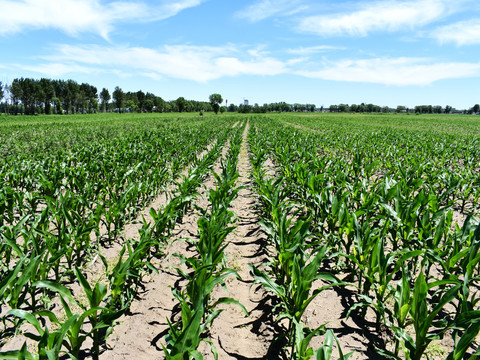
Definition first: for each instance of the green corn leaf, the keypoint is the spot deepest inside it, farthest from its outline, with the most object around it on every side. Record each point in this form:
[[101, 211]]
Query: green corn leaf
[[465, 342], [228, 301], [189, 339], [22, 354], [62, 290], [267, 282]]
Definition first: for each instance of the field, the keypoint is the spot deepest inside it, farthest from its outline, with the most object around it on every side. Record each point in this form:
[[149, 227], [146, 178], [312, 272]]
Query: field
[[276, 236]]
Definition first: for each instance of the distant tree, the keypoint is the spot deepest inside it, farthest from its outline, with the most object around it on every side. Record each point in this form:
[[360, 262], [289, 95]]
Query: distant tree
[[61, 93], [24, 90], [448, 109], [71, 99], [181, 104], [105, 97], [476, 108], [131, 101], [141, 100], [93, 105], [215, 101], [57, 104], [91, 94], [118, 97], [333, 108], [15, 93], [131, 106], [167, 107], [1, 91], [48, 92], [159, 104], [7, 96], [148, 104], [244, 109]]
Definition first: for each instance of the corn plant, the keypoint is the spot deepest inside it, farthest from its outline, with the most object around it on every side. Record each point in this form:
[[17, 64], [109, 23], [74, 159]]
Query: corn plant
[[325, 351], [70, 334], [198, 311], [295, 294]]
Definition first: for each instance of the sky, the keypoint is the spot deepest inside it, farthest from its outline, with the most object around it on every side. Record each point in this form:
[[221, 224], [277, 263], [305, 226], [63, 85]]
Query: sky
[[389, 52]]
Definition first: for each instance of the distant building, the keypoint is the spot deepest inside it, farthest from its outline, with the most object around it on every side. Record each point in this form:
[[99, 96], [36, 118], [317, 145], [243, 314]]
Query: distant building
[[245, 102]]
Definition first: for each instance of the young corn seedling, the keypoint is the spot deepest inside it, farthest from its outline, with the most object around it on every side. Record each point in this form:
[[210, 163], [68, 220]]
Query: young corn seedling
[[49, 345], [325, 351], [296, 295], [102, 319], [69, 336], [208, 270], [423, 315]]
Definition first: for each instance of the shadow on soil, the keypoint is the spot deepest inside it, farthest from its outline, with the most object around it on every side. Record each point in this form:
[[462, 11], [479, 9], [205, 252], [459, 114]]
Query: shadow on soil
[[365, 330]]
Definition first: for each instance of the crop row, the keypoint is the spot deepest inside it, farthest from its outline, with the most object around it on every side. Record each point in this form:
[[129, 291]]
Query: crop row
[[59, 209], [377, 209], [206, 269]]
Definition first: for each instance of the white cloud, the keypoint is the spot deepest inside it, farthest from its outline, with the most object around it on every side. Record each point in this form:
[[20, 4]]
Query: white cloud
[[393, 71], [58, 69], [313, 49], [74, 17], [267, 8], [197, 63], [390, 15], [461, 33]]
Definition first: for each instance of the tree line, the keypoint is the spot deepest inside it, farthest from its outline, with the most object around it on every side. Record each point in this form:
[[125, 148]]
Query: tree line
[[419, 109], [45, 96], [273, 107]]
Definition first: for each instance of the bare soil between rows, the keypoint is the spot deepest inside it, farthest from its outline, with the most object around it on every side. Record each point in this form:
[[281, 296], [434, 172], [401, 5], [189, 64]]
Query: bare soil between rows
[[235, 336], [142, 331]]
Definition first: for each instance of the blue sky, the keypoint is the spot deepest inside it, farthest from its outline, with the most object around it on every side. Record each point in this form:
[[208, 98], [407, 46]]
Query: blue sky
[[390, 52]]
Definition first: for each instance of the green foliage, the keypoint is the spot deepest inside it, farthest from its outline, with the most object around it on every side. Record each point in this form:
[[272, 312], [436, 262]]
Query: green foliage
[[372, 198], [379, 195], [215, 101]]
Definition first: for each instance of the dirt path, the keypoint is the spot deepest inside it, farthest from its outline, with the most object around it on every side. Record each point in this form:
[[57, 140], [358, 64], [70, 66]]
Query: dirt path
[[235, 335], [141, 333]]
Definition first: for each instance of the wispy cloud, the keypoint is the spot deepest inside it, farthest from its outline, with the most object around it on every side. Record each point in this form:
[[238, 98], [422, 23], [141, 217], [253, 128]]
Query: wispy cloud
[[313, 49], [74, 17], [393, 71], [58, 69], [197, 63], [462, 33], [263, 9], [390, 15]]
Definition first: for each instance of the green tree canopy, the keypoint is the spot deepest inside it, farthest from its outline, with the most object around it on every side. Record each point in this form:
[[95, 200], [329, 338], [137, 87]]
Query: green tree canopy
[[215, 101], [118, 97], [181, 103], [105, 97]]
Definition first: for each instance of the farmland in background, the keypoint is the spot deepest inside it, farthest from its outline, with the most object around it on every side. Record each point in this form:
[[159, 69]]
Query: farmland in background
[[375, 215]]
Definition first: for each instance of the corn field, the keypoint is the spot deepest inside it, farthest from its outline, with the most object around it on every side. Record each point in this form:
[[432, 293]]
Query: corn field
[[381, 210]]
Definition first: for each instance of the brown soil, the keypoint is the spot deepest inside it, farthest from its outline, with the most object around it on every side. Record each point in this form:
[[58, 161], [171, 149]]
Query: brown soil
[[235, 336], [142, 332]]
